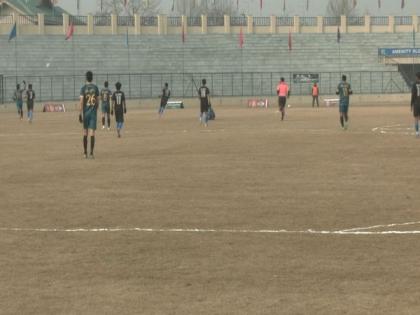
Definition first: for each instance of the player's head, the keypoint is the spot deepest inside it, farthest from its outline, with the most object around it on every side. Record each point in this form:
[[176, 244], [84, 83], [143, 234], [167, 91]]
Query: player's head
[[17, 86], [89, 76], [118, 86], [166, 84], [106, 84], [344, 78], [204, 81], [315, 84], [30, 86], [418, 76], [281, 79]]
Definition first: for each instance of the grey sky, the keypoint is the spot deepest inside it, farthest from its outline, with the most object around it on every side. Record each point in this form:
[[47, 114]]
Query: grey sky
[[275, 7]]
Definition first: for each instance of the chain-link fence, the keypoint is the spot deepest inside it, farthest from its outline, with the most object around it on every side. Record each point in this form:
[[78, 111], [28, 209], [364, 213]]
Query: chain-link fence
[[183, 85]]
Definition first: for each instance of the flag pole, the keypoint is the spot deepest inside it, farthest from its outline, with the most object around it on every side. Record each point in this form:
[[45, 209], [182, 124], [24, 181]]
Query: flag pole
[[16, 60]]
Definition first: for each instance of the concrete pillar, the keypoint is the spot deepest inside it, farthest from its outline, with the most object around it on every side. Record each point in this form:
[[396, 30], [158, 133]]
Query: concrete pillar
[[65, 23], [90, 24], [391, 24], [250, 24], [184, 24], [343, 27], [162, 25], [41, 24], [273, 24], [296, 24], [416, 23], [137, 24], [114, 24], [227, 23], [204, 24], [367, 24], [320, 24]]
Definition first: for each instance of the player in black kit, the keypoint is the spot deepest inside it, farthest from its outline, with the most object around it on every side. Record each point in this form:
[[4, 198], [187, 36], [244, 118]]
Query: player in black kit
[[119, 107]]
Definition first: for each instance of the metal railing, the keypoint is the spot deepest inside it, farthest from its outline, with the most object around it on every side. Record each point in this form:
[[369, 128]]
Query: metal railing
[[78, 20], [356, 20], [308, 21], [148, 21], [183, 85], [28, 19], [332, 21], [238, 21], [56, 20], [379, 20], [194, 21], [174, 21], [285, 21], [403, 20], [125, 20], [6, 19], [262, 21], [215, 21], [104, 20]]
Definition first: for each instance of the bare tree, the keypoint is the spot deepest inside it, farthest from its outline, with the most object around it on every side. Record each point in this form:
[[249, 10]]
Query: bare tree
[[341, 7], [204, 7], [142, 7]]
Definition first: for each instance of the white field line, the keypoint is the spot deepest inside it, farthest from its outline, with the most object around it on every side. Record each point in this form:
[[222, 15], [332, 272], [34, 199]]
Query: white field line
[[353, 231]]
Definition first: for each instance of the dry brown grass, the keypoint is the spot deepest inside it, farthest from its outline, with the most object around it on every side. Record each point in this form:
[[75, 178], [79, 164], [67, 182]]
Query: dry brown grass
[[247, 170]]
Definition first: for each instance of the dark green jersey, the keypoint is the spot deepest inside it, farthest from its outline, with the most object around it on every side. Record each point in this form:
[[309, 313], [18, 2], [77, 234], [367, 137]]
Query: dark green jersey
[[105, 95], [90, 94], [344, 89]]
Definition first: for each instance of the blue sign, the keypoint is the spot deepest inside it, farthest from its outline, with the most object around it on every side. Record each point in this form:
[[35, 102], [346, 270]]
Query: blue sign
[[399, 52]]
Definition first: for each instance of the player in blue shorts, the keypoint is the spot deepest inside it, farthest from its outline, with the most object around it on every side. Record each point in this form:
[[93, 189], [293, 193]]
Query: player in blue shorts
[[105, 105], [119, 107], [344, 91], [18, 98], [89, 100]]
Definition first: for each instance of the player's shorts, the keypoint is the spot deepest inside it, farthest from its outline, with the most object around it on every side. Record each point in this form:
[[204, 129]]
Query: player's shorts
[[344, 106], [416, 110], [204, 105], [89, 120], [19, 104], [30, 106], [119, 116], [282, 101], [105, 108]]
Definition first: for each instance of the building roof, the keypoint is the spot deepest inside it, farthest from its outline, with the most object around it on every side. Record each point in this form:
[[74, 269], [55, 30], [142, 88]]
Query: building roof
[[33, 7]]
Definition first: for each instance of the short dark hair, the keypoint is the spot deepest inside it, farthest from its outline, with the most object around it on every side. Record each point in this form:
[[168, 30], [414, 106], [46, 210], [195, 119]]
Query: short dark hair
[[344, 78], [204, 81], [89, 76], [418, 75], [30, 86], [106, 83], [17, 86], [118, 86], [282, 79], [166, 84]]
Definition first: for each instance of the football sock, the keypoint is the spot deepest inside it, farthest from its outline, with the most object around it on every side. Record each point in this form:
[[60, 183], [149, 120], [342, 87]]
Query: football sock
[[342, 121], [416, 126], [92, 144], [103, 121], [109, 121], [85, 144]]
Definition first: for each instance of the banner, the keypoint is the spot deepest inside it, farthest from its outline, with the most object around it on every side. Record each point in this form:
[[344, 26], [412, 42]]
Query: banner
[[261, 103], [399, 52], [305, 77], [54, 108]]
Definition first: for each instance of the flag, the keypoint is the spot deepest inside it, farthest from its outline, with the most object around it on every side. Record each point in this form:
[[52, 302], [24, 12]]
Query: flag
[[70, 31], [241, 38], [402, 4], [183, 34], [354, 3], [290, 41], [338, 35], [379, 4], [13, 32], [173, 5]]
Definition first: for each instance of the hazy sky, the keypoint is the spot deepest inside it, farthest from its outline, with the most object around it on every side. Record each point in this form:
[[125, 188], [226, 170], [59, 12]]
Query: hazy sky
[[275, 7]]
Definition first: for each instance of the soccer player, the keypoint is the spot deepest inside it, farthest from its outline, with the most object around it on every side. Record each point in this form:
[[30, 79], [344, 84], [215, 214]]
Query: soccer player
[[344, 91], [203, 93], [18, 97], [89, 102], [166, 93], [315, 95], [283, 93], [119, 107], [415, 102], [30, 98], [105, 106]]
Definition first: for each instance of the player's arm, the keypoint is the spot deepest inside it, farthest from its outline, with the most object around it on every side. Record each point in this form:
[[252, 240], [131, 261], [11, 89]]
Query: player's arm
[[413, 96], [338, 90], [124, 105], [350, 90], [112, 104]]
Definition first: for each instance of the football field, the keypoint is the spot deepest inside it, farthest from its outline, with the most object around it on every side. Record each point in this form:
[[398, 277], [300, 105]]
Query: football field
[[250, 215]]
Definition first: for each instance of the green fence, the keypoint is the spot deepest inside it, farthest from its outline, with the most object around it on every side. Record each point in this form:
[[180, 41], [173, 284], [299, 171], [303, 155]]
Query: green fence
[[183, 85]]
